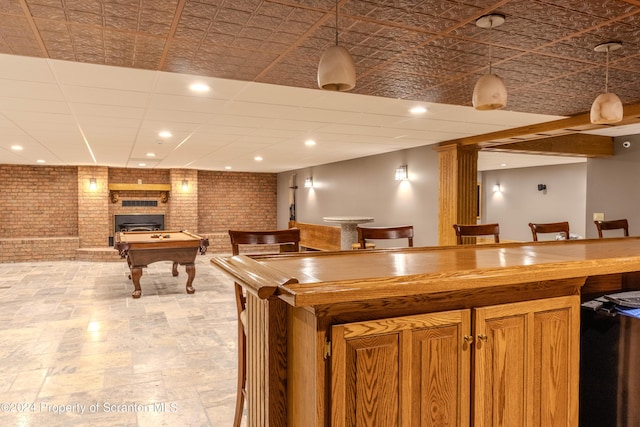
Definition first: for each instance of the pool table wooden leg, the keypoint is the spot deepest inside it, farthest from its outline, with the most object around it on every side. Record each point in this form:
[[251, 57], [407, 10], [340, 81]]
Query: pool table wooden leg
[[136, 274], [174, 271], [191, 273]]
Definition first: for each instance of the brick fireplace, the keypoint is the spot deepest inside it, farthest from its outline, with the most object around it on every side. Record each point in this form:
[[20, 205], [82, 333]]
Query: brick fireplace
[[57, 215]]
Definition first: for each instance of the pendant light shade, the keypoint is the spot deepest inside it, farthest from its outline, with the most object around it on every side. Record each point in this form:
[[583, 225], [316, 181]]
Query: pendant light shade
[[489, 93], [336, 70], [607, 107]]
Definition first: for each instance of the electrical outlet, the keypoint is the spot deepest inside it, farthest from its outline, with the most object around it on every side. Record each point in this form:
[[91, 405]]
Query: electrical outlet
[[598, 216]]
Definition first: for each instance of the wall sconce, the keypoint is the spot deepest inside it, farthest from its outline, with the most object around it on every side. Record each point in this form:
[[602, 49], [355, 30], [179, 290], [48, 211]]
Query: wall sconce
[[401, 173], [308, 182], [496, 188], [93, 184], [542, 187], [185, 185]]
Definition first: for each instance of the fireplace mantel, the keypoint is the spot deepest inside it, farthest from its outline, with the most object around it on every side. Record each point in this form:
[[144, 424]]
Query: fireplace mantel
[[165, 189]]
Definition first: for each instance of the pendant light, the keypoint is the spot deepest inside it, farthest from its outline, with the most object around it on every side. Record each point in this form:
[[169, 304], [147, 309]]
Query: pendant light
[[336, 70], [490, 92], [607, 108]]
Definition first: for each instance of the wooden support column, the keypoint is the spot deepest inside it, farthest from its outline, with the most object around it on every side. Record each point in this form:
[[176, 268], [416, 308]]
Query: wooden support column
[[457, 198]]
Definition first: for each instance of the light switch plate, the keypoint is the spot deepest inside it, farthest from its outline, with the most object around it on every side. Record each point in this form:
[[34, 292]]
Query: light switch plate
[[598, 216]]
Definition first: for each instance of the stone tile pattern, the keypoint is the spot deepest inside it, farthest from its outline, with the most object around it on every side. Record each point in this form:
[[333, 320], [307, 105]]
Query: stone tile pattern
[[72, 339]]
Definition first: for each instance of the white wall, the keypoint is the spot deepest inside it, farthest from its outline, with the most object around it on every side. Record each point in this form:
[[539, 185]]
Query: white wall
[[519, 202], [367, 187], [614, 186]]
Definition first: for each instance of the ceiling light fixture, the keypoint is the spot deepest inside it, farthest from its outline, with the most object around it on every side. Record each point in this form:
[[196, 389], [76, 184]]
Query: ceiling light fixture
[[418, 110], [165, 134], [16, 147], [607, 107], [336, 70], [309, 143], [199, 87], [490, 92]]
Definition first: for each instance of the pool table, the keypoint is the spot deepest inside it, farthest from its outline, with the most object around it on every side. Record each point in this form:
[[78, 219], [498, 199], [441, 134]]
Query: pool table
[[142, 248]]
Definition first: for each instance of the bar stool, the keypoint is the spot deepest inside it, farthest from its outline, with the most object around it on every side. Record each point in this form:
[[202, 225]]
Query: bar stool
[[475, 230], [550, 227], [373, 233], [614, 224], [288, 241]]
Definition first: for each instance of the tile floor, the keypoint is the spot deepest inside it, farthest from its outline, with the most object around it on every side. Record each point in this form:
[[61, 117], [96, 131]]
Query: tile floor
[[76, 349]]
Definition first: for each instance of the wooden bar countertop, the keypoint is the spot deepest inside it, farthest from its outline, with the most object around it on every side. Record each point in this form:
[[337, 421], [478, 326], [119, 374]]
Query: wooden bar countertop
[[317, 278]]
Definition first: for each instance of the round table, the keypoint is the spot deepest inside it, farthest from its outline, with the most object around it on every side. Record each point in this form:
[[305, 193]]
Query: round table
[[348, 228]]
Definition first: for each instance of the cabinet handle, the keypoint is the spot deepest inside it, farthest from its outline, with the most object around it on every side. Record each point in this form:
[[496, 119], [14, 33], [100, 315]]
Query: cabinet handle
[[482, 337], [468, 339]]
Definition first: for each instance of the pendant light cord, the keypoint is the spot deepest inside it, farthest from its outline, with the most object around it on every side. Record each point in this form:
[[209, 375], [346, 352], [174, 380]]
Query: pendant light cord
[[490, 44], [336, 22], [606, 74]]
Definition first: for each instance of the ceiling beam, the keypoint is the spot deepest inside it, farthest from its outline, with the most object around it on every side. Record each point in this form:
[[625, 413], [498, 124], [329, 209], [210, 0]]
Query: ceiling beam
[[570, 125], [577, 144]]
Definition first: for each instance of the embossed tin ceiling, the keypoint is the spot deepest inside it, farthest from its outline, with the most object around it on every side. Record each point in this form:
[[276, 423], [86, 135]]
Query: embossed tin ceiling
[[427, 51], [420, 50]]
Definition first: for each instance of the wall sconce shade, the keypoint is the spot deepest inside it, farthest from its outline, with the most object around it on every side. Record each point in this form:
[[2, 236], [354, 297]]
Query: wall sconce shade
[[185, 185], [93, 184], [496, 188], [607, 107], [490, 93], [401, 173], [336, 70], [308, 182]]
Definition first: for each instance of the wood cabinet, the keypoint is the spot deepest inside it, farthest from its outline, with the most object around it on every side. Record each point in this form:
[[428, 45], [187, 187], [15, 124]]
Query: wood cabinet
[[395, 323], [417, 370]]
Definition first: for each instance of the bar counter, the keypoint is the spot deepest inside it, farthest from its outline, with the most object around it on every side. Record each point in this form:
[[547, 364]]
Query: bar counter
[[336, 338]]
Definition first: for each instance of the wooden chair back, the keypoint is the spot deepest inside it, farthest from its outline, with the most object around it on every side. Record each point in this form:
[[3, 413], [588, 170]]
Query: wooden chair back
[[288, 241], [289, 237], [614, 224], [551, 227], [475, 230], [373, 233]]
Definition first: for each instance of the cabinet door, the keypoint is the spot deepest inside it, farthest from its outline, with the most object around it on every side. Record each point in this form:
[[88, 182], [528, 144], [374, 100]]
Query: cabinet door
[[526, 363], [404, 371]]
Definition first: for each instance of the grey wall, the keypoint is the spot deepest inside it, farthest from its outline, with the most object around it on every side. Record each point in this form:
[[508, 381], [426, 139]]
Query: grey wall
[[613, 186], [366, 187], [519, 201]]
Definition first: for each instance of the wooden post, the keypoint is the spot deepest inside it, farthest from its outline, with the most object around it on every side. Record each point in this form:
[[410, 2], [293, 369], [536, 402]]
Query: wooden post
[[457, 198]]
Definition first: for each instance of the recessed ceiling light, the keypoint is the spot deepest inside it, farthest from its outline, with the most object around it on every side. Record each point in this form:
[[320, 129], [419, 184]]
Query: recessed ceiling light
[[151, 154], [227, 167], [418, 109], [16, 147], [165, 134], [309, 142], [199, 87], [142, 164], [503, 164], [40, 161], [257, 158]]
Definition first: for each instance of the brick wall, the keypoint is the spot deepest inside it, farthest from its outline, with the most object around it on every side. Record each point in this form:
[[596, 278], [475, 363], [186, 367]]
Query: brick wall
[[183, 208], [92, 207], [48, 212], [38, 201], [235, 200]]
